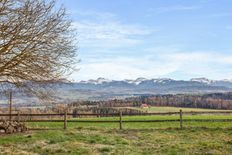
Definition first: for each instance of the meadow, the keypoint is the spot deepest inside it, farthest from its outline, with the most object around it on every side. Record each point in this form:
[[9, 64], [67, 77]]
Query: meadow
[[134, 138], [174, 109]]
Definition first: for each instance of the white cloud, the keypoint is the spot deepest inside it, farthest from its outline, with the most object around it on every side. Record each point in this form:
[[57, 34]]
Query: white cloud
[[91, 14], [160, 64], [201, 57], [109, 34], [201, 63], [124, 68], [105, 31]]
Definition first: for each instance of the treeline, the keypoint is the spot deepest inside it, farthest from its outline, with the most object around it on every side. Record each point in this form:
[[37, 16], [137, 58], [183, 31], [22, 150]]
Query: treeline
[[104, 104], [212, 101]]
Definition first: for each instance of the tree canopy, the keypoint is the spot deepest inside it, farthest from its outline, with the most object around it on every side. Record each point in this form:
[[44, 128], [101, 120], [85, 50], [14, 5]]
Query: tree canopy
[[37, 44]]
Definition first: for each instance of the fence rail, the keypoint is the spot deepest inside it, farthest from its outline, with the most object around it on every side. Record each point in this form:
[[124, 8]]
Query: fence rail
[[120, 115], [124, 114]]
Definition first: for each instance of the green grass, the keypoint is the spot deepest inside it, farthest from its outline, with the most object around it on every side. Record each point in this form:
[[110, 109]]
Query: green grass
[[172, 109], [150, 125], [134, 139], [147, 125], [111, 141]]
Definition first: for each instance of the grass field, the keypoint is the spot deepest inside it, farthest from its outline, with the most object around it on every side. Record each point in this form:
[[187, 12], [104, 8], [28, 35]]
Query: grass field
[[139, 125], [112, 141], [135, 138], [174, 109]]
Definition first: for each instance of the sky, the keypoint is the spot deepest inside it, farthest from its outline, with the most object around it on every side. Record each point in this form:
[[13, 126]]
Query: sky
[[127, 39]]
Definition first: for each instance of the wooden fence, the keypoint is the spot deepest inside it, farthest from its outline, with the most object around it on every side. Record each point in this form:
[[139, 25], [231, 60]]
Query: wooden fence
[[65, 119]]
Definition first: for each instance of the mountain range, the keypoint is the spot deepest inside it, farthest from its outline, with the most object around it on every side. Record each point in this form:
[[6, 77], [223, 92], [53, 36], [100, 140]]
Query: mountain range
[[159, 80], [104, 89]]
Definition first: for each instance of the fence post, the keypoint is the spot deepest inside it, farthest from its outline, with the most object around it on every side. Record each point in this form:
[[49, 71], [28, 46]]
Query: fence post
[[120, 120], [181, 120], [18, 116], [65, 120], [30, 117], [10, 106]]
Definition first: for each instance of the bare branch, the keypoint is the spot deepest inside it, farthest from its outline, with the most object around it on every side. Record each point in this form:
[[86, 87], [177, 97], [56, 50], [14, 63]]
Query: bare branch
[[36, 43]]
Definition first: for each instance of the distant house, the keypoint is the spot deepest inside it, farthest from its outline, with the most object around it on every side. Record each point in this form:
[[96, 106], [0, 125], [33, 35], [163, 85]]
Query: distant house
[[144, 106]]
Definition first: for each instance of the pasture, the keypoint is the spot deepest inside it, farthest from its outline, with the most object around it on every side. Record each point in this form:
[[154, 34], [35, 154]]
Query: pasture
[[134, 138], [174, 109]]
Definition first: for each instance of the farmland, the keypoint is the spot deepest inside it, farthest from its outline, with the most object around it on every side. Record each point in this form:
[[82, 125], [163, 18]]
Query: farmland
[[173, 109], [135, 138], [108, 141]]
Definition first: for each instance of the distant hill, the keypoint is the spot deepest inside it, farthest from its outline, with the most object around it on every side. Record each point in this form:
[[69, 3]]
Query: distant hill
[[103, 89]]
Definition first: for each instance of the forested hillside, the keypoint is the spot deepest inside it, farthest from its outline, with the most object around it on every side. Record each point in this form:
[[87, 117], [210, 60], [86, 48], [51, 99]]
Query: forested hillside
[[212, 100]]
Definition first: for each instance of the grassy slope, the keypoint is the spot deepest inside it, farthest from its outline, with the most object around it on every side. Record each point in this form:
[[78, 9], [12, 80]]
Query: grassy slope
[[174, 109], [105, 141], [136, 138], [155, 125]]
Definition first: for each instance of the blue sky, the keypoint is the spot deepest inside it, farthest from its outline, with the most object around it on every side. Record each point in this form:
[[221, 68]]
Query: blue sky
[[126, 39]]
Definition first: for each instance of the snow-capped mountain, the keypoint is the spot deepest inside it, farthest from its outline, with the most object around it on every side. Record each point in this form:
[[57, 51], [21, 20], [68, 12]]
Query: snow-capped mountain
[[227, 80], [162, 80], [159, 85], [101, 88], [129, 81], [104, 88], [202, 80], [97, 81], [137, 81], [140, 81]]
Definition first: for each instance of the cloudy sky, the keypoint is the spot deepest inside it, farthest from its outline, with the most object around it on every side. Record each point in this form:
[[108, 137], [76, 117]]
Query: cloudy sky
[[127, 39]]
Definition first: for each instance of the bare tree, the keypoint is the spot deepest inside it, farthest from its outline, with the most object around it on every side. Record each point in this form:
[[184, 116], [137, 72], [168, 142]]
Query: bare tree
[[36, 43]]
